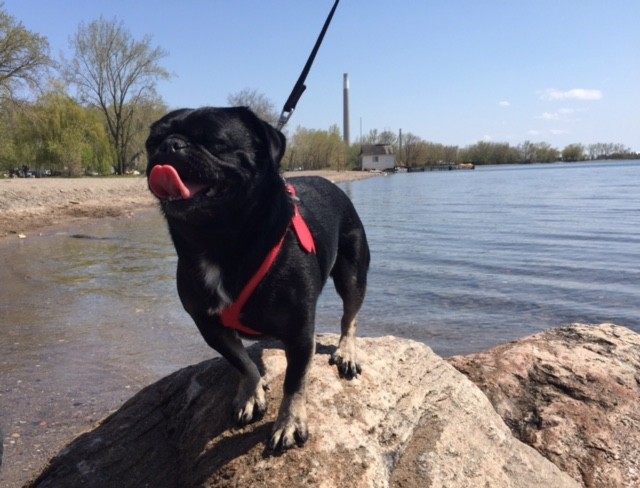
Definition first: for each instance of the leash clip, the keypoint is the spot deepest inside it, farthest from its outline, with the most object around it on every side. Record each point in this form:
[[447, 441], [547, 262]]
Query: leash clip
[[291, 191], [284, 118]]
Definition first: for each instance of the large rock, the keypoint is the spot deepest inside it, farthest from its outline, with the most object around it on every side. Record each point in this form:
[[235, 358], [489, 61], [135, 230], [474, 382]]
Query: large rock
[[410, 420], [573, 394]]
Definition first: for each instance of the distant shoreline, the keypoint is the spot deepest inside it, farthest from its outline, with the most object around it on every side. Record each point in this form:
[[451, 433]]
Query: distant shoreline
[[32, 206]]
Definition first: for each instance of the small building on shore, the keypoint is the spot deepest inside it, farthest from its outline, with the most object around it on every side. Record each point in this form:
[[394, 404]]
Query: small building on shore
[[377, 157]]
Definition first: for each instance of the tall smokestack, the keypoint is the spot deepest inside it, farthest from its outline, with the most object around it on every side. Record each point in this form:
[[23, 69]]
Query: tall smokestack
[[345, 121]]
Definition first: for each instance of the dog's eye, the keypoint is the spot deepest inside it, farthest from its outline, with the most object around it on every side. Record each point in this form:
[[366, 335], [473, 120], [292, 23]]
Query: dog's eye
[[217, 147]]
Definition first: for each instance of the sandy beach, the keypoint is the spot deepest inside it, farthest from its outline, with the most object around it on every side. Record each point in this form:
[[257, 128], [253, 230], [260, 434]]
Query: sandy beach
[[30, 206]]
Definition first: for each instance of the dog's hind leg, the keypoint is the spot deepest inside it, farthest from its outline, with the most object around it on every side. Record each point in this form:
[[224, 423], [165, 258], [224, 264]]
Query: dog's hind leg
[[350, 280]]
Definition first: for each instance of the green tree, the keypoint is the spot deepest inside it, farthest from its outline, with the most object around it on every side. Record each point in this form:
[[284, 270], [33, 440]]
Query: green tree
[[451, 154], [545, 153], [24, 57], [435, 153], [352, 161], [603, 150], [8, 153], [411, 145], [527, 152], [316, 149], [117, 74], [58, 134], [484, 152], [573, 152]]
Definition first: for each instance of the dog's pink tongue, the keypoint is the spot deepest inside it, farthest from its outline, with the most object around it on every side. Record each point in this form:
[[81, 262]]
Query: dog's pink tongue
[[165, 182]]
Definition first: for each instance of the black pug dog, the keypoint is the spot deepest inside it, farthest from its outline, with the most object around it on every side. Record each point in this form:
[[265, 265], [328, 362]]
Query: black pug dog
[[255, 252]]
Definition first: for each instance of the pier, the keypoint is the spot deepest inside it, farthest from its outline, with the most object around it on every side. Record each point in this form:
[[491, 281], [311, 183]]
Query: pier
[[441, 167]]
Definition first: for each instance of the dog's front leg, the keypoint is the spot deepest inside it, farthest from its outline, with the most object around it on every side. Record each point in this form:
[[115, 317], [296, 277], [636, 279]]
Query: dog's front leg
[[250, 402], [291, 426]]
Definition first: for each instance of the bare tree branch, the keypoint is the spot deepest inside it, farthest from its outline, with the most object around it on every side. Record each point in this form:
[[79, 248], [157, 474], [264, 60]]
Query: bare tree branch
[[24, 57], [116, 73]]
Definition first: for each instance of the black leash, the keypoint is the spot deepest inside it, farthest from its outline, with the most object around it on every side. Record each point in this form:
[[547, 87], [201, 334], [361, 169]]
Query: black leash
[[299, 87]]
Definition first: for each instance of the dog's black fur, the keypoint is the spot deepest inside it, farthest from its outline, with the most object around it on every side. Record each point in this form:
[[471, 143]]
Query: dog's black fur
[[223, 234]]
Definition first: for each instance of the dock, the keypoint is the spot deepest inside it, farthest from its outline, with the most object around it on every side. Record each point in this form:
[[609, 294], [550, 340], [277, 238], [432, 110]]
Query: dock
[[441, 167]]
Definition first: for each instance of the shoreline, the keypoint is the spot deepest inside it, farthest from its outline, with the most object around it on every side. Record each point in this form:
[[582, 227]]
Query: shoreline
[[31, 207]]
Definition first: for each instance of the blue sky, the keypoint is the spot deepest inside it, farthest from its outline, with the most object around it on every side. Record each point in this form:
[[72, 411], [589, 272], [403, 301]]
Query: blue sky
[[456, 72]]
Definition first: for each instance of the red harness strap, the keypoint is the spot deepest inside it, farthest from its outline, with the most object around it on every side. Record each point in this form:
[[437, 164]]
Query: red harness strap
[[230, 316]]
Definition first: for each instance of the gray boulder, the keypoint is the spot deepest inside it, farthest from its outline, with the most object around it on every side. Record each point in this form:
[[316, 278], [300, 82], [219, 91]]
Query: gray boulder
[[410, 420]]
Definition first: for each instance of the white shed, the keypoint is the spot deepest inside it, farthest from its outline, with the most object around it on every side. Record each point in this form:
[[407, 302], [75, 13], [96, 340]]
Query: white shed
[[377, 157]]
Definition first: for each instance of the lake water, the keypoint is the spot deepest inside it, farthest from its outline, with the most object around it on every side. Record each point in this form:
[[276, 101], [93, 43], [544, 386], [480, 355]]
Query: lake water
[[461, 260], [464, 260]]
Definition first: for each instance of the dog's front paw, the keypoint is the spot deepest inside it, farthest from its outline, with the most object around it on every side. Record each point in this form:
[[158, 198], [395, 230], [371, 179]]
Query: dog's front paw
[[347, 365], [288, 433], [250, 403], [291, 428]]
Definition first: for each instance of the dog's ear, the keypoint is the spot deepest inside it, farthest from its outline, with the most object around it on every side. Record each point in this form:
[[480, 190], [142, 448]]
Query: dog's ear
[[277, 143], [273, 142]]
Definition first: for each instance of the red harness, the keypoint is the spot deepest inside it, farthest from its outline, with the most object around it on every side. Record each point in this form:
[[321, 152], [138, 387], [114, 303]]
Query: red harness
[[230, 315]]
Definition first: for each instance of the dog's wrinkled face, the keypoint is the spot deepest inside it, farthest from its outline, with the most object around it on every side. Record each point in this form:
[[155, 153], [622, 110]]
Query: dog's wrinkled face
[[200, 161]]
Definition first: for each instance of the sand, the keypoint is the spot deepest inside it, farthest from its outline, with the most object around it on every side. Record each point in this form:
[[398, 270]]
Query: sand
[[32, 206]]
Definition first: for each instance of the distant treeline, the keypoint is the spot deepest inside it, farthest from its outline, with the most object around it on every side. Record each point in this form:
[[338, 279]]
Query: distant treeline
[[541, 152], [90, 113], [315, 149]]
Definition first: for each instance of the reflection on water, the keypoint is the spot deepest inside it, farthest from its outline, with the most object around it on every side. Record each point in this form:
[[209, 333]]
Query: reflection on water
[[115, 290], [84, 324], [467, 260]]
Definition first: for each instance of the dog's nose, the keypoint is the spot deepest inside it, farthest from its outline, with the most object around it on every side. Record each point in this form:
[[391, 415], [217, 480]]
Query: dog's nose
[[173, 145]]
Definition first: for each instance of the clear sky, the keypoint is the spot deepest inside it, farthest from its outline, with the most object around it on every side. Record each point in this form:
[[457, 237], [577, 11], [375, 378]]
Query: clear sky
[[453, 72]]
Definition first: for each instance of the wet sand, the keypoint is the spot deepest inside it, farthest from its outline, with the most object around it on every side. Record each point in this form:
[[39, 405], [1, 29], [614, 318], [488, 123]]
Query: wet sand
[[30, 206]]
